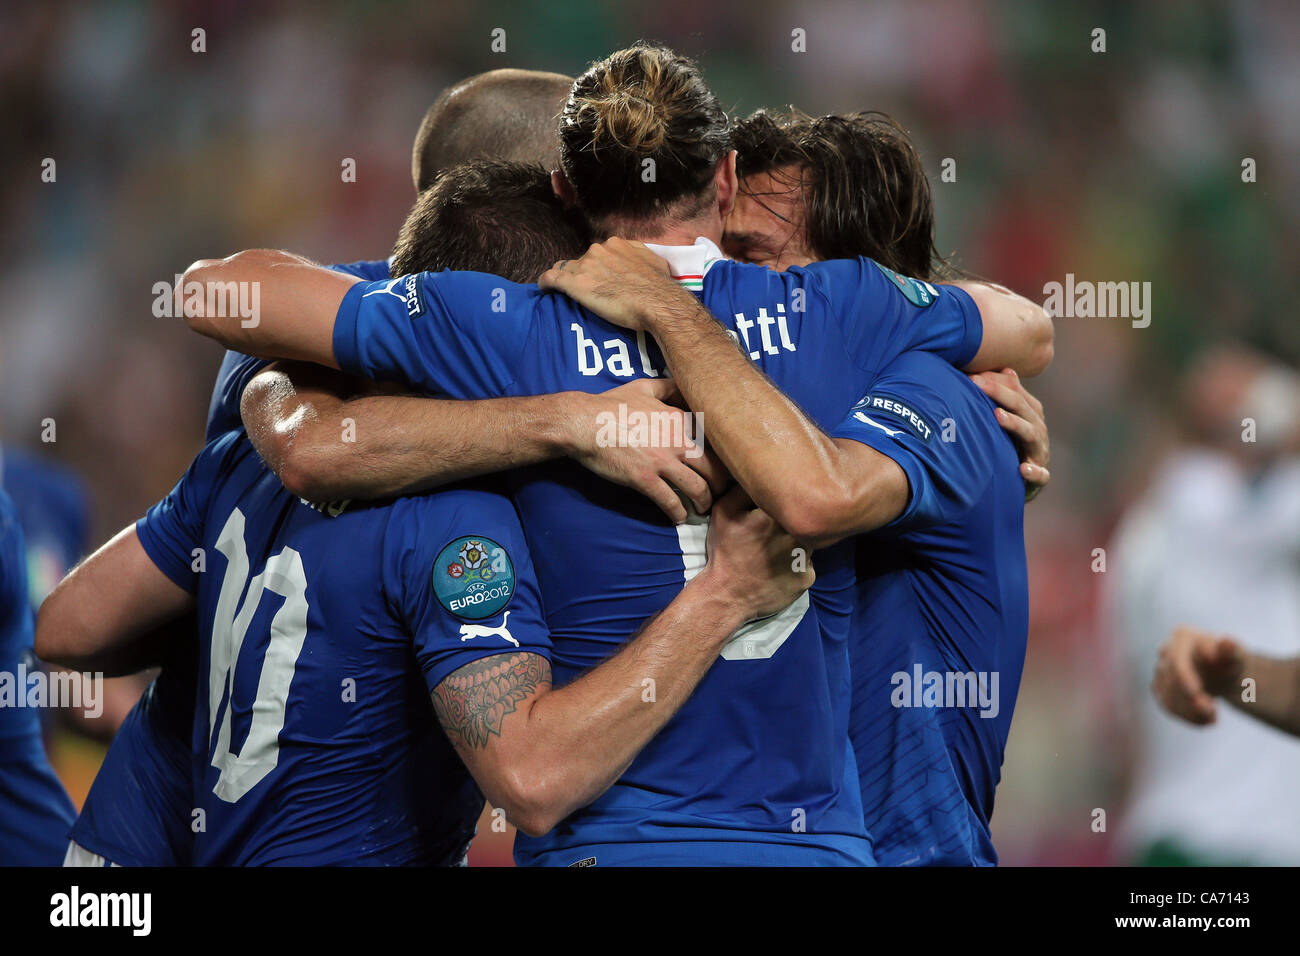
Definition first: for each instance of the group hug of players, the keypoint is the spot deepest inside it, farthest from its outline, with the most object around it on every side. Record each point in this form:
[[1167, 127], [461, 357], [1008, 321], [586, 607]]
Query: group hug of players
[[421, 572]]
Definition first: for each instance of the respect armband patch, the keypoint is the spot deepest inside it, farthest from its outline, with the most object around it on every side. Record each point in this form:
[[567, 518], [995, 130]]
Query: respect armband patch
[[892, 411], [920, 294], [473, 577]]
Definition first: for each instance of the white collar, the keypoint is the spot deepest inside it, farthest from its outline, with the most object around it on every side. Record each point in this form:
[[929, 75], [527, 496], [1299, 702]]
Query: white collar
[[689, 264]]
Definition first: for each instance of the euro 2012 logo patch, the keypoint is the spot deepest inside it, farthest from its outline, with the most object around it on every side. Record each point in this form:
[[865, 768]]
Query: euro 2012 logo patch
[[473, 577], [920, 294]]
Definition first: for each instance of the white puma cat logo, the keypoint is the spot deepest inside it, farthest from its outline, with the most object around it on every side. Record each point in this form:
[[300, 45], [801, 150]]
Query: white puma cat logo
[[468, 631], [891, 432]]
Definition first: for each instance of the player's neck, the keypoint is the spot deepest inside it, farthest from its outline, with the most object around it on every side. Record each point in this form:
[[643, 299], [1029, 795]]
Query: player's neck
[[670, 233], [685, 234]]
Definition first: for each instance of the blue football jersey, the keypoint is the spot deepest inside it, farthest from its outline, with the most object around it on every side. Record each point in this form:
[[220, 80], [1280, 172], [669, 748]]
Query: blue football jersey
[[55, 516], [938, 643], [35, 811], [138, 810], [323, 631], [756, 768]]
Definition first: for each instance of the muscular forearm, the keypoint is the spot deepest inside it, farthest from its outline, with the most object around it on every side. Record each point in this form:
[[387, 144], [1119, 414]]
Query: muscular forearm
[[379, 446], [132, 656], [790, 467], [111, 613], [577, 740], [1275, 698], [329, 436], [265, 303]]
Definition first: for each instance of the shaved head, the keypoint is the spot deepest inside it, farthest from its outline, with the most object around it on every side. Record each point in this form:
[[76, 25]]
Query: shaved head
[[510, 115]]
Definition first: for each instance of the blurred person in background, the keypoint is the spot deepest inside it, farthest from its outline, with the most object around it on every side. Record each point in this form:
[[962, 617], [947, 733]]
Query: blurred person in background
[[35, 811], [54, 511], [1215, 540], [1195, 667]]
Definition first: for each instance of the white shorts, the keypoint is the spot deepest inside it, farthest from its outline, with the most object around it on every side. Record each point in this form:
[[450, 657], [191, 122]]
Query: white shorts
[[78, 855]]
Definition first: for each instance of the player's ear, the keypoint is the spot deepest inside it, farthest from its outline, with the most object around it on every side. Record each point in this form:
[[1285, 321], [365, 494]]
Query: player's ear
[[563, 189], [724, 177]]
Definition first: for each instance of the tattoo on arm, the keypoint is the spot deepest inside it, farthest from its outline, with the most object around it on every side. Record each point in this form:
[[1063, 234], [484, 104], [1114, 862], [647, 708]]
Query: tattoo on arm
[[471, 703]]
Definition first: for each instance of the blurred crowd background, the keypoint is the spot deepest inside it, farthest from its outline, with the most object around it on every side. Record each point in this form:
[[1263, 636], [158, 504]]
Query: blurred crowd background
[[1123, 165]]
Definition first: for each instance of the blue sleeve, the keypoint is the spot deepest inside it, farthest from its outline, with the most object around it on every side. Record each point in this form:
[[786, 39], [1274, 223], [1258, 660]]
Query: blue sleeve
[[884, 314], [462, 334], [173, 528], [237, 369], [13, 571], [367, 269], [921, 414], [457, 569]]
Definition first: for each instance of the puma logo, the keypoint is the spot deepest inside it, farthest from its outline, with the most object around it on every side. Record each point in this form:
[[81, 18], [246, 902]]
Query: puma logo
[[468, 631], [891, 432]]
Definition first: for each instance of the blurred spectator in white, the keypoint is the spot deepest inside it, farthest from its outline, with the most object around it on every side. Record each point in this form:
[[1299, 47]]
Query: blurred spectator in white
[[1214, 541]]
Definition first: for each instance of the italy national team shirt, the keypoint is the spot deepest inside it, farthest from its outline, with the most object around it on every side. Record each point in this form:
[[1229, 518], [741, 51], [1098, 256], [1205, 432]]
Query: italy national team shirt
[[55, 516], [35, 811], [138, 811], [756, 767], [938, 644], [323, 631]]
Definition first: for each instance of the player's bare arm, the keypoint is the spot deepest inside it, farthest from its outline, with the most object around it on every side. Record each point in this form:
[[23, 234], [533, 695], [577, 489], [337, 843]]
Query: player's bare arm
[[294, 304], [1018, 333], [102, 616], [530, 747], [328, 436], [1195, 668]]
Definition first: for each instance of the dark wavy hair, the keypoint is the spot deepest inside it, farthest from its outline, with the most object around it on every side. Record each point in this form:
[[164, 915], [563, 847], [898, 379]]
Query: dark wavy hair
[[864, 186]]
